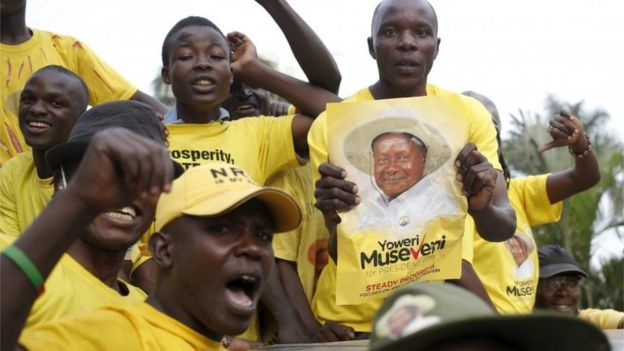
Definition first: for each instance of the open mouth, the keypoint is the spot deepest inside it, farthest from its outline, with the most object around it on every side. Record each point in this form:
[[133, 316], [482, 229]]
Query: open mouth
[[242, 291], [566, 308], [37, 126], [125, 214], [203, 84], [246, 109]]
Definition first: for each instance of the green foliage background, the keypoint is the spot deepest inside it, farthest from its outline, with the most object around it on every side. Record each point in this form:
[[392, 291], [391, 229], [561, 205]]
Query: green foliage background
[[587, 217]]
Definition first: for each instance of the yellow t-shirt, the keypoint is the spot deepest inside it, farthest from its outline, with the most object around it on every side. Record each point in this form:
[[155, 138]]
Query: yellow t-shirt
[[70, 289], [603, 319], [481, 133], [42, 49], [262, 146], [510, 270], [306, 245], [23, 195], [129, 328]]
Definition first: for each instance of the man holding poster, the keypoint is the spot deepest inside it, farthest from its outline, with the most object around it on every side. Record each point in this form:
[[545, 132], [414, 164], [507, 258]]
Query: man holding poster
[[404, 44]]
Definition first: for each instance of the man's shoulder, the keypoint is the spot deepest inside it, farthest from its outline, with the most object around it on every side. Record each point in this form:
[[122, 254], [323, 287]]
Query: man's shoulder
[[58, 40], [19, 164]]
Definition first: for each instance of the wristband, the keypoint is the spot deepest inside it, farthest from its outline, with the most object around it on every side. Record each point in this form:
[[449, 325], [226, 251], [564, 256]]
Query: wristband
[[582, 153], [26, 266]]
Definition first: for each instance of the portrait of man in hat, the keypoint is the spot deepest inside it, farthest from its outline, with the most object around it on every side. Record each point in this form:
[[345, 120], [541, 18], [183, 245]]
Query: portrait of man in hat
[[399, 160], [520, 247], [398, 155]]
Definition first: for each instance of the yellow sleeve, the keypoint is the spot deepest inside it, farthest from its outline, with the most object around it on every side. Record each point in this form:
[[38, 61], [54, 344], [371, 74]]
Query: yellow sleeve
[[286, 245], [530, 193], [8, 206], [604, 319], [317, 142], [468, 239], [98, 331], [481, 131], [277, 150], [104, 82]]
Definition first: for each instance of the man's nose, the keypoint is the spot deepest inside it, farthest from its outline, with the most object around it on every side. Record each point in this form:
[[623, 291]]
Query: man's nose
[[249, 245], [202, 62], [407, 41], [39, 107]]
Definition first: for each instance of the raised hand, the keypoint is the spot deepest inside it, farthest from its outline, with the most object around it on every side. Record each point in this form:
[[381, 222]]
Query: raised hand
[[243, 52], [566, 130], [118, 167], [332, 331], [477, 176]]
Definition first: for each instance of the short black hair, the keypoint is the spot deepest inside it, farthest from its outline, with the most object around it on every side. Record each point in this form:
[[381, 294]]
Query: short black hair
[[72, 75], [183, 23]]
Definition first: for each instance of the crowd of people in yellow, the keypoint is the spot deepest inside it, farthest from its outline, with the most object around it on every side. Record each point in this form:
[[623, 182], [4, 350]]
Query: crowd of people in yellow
[[214, 224]]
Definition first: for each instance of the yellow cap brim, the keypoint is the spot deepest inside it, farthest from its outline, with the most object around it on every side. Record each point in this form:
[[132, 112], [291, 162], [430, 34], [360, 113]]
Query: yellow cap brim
[[284, 210]]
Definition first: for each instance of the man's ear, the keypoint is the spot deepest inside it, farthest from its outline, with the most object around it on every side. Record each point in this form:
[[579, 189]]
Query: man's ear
[[371, 48], [164, 73], [161, 247], [439, 40]]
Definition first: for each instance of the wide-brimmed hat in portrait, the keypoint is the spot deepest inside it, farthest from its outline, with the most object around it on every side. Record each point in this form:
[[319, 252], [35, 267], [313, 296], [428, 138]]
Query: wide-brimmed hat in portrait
[[358, 149]]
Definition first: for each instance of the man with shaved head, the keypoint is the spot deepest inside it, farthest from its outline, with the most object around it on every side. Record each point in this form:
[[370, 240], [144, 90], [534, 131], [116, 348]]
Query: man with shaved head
[[404, 42]]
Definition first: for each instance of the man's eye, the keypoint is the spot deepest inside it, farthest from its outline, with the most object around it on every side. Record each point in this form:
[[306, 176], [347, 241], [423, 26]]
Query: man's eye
[[217, 57], [389, 31], [220, 228], [185, 57], [264, 235], [26, 100], [422, 33], [57, 103]]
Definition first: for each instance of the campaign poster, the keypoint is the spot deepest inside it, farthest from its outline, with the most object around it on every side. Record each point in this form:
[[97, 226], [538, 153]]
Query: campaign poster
[[410, 221]]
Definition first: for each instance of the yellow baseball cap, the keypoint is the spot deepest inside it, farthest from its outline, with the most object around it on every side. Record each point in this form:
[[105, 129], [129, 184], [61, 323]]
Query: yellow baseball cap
[[216, 188]]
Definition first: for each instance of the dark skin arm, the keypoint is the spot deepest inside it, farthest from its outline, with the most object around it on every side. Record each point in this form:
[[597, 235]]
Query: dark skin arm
[[312, 55], [308, 98], [486, 191], [567, 130], [332, 332], [292, 285], [117, 168], [471, 282], [290, 328]]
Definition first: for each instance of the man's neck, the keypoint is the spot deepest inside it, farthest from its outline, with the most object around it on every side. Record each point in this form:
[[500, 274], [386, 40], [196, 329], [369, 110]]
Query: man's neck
[[13, 30], [43, 171], [103, 264], [385, 90], [199, 116]]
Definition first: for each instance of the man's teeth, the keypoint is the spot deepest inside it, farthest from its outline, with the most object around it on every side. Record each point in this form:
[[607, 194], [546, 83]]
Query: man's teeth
[[119, 216], [248, 278], [125, 214], [203, 82], [129, 210], [36, 124]]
